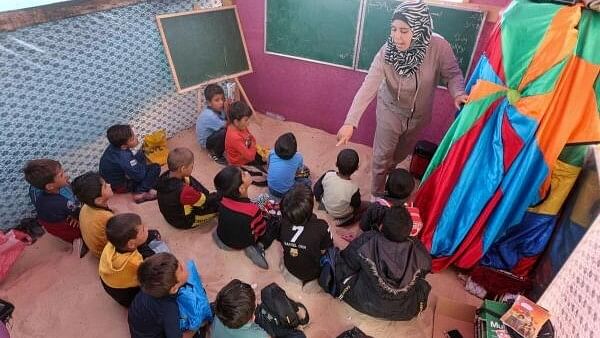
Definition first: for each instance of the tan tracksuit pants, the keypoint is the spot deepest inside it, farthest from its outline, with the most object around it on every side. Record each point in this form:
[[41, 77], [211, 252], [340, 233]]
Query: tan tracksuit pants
[[396, 134]]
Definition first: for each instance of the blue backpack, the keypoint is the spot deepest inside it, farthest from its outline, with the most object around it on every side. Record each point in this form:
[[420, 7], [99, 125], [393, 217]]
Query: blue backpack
[[194, 307]]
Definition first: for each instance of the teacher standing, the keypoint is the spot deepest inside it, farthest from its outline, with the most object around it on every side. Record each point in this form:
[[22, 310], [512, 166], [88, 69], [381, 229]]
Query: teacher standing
[[404, 75]]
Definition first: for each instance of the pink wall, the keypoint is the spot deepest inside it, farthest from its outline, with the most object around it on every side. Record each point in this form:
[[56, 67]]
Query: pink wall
[[319, 95]]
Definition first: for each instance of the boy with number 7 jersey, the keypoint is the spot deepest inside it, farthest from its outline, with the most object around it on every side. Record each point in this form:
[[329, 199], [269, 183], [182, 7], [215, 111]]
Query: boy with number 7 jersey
[[304, 237]]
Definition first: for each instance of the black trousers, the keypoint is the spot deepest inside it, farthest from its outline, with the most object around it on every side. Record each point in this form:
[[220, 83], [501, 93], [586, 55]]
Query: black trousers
[[122, 296], [215, 143]]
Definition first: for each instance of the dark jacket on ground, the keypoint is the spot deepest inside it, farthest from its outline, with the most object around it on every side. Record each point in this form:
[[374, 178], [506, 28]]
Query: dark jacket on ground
[[180, 202], [387, 279]]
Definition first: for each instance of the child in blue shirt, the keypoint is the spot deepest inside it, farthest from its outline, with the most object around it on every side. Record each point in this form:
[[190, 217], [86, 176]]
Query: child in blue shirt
[[284, 162], [126, 171], [210, 127]]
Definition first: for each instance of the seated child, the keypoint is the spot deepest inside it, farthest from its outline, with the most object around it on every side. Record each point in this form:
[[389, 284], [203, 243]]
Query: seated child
[[284, 162], [304, 237], [234, 312], [337, 193], [124, 170], [127, 246], [56, 207], [154, 311], [241, 224], [210, 127], [398, 189], [94, 193], [183, 201], [384, 271], [240, 144]]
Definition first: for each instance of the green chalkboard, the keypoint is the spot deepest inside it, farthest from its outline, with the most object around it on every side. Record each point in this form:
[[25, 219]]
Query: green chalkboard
[[204, 46], [319, 30], [461, 27]]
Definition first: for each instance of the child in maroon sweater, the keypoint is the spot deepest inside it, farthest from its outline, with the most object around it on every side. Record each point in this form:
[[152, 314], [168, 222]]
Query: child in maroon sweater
[[241, 225]]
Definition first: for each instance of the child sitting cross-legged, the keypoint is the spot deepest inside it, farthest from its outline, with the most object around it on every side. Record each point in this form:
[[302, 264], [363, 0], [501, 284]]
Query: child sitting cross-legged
[[91, 189], [399, 187], [154, 312], [210, 127], [183, 201], [127, 246], [56, 207], [241, 225], [383, 271], [337, 193], [234, 312], [124, 170], [284, 163], [304, 238], [240, 144]]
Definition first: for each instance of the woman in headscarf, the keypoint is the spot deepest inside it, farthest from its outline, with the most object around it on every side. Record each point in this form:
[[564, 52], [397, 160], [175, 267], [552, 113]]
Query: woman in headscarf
[[404, 75]]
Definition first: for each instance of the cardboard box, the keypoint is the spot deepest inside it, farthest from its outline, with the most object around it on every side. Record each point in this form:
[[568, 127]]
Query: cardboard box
[[450, 315]]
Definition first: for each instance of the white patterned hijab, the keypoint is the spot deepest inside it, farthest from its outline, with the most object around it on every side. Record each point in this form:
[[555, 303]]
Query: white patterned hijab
[[416, 15]]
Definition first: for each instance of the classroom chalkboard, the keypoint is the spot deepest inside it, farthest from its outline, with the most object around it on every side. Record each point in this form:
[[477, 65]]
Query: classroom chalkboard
[[318, 30], [461, 27], [204, 46]]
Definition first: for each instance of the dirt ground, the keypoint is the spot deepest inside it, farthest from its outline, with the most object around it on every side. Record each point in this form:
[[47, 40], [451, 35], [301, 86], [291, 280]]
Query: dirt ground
[[59, 295]]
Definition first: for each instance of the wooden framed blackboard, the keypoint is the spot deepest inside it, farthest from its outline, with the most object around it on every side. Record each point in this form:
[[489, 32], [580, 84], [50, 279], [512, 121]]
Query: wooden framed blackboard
[[461, 27], [204, 46], [323, 31]]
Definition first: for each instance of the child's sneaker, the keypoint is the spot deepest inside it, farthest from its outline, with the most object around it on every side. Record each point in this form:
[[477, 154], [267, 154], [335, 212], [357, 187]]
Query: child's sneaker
[[219, 159], [145, 196], [256, 253]]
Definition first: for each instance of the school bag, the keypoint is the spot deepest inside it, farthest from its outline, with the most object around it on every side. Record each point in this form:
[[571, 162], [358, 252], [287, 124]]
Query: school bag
[[327, 277], [277, 314], [194, 307], [155, 147], [6, 310], [353, 333]]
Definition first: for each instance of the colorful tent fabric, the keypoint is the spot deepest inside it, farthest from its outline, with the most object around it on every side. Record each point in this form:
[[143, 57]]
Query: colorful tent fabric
[[534, 91], [520, 247]]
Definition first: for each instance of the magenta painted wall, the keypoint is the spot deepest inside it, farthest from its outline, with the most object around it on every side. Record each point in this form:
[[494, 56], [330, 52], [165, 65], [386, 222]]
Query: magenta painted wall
[[319, 95]]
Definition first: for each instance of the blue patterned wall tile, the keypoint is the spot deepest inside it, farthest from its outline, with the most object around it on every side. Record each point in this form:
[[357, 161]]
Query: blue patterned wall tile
[[64, 82]]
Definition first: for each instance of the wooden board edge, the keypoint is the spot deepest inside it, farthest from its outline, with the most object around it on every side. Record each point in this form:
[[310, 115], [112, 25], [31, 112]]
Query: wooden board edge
[[214, 9], [222, 78], [13, 20], [239, 23], [168, 53]]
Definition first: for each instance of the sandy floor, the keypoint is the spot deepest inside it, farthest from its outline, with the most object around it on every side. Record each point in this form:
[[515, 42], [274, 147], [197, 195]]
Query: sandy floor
[[59, 295]]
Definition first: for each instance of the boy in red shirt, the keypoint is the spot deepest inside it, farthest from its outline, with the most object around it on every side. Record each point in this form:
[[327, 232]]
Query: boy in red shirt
[[240, 144]]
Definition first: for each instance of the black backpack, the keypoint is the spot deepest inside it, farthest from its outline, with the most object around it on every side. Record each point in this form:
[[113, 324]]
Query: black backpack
[[353, 333], [277, 314], [327, 278], [6, 310]]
